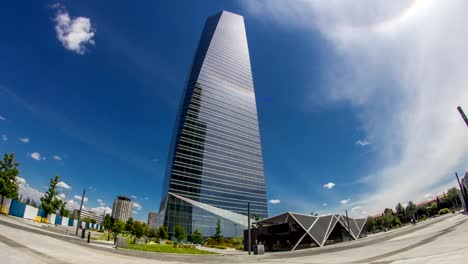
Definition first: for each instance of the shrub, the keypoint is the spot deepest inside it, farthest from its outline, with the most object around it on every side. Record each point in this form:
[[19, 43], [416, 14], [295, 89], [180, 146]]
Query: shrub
[[240, 247], [423, 217], [444, 211], [169, 242], [186, 246]]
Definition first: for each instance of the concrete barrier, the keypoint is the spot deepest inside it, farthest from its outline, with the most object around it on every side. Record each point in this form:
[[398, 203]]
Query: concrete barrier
[[30, 212], [5, 207], [121, 242], [65, 221], [51, 218], [17, 208]]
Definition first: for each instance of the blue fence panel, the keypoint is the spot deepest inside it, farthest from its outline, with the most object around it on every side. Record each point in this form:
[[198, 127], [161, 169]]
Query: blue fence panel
[[70, 221], [41, 213], [17, 208], [58, 220]]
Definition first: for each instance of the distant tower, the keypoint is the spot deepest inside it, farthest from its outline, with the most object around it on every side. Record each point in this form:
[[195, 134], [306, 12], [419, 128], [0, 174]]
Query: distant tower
[[215, 165], [152, 219], [122, 209]]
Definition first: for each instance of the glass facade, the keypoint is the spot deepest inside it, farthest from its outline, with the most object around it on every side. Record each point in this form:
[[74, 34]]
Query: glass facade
[[216, 156]]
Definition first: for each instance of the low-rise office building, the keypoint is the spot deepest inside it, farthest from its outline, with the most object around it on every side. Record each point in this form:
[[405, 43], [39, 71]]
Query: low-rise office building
[[293, 231]]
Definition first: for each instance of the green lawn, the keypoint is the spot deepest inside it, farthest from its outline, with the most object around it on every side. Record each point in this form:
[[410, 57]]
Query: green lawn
[[167, 249]]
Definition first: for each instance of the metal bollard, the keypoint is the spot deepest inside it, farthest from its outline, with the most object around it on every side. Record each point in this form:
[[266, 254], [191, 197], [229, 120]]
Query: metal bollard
[[89, 236], [83, 232]]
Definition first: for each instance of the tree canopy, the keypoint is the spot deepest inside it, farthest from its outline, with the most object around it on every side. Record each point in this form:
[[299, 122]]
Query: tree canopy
[[179, 233], [50, 202], [197, 237], [8, 172], [218, 236], [118, 227], [163, 232]]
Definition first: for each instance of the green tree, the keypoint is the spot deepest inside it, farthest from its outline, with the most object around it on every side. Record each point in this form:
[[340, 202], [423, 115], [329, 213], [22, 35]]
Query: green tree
[[138, 229], [129, 225], [118, 227], [107, 222], [63, 211], [163, 232], [432, 209], [371, 224], [8, 172], [50, 202], [152, 233], [179, 233], [146, 229], [411, 209], [197, 237], [401, 212], [218, 237], [454, 197], [388, 211], [396, 222], [86, 220]]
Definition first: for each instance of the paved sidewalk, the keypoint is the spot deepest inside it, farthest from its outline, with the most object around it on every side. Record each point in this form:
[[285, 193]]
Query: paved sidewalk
[[441, 240]]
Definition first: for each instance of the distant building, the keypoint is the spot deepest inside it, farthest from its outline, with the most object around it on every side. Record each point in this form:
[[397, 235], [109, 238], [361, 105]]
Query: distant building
[[88, 214], [152, 219], [122, 208]]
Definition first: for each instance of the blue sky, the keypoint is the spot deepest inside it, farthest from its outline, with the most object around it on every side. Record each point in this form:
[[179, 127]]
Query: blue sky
[[351, 112]]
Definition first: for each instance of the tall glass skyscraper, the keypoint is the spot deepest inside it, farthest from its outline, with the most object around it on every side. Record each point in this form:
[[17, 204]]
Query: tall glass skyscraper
[[215, 164]]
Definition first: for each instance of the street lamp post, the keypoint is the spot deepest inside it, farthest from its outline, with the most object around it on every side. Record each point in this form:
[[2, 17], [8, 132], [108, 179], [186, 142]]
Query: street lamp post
[[79, 212]]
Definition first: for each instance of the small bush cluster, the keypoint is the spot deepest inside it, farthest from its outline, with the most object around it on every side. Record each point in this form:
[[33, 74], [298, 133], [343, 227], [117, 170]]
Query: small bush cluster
[[444, 211]]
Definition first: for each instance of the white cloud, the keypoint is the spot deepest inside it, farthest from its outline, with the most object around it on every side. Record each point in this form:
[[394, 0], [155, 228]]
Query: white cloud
[[2, 118], [137, 206], [62, 196], [72, 204], [55, 157], [20, 180], [101, 210], [36, 155], [403, 71], [4, 137], [364, 212], [429, 195], [133, 196], [78, 197], [362, 143], [274, 201], [344, 202], [73, 33], [27, 191], [355, 208], [24, 140], [101, 202], [146, 198], [329, 185], [324, 204], [63, 185], [135, 212]]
